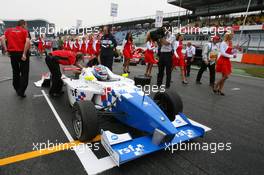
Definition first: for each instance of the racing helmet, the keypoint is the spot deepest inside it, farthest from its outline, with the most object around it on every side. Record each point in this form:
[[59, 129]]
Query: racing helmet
[[100, 72]]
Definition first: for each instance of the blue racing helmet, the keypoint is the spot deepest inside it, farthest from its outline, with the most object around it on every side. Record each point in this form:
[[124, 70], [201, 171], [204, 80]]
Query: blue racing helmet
[[100, 72]]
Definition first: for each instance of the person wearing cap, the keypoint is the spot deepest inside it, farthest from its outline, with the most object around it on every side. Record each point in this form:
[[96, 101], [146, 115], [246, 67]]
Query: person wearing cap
[[190, 54], [18, 44], [209, 55], [53, 61]]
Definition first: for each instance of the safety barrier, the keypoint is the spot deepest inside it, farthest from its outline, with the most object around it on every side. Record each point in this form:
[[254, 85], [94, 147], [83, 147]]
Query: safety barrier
[[249, 58]]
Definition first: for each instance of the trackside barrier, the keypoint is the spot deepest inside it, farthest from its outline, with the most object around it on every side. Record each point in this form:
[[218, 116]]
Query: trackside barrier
[[251, 58]]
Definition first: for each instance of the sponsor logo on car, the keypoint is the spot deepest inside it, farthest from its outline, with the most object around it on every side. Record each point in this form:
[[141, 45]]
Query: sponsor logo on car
[[137, 150]]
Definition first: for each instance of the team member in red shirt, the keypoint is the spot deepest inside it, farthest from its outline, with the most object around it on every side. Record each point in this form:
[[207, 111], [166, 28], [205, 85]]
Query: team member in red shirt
[[53, 61], [18, 44]]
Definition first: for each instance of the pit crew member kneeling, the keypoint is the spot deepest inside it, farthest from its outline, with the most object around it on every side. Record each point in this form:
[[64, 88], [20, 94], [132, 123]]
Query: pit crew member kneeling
[[53, 61]]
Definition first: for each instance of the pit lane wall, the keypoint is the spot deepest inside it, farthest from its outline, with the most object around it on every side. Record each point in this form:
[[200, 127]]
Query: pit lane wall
[[249, 58]]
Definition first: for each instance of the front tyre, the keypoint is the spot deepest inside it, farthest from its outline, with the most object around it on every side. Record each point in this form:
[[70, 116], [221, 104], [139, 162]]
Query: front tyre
[[85, 121], [169, 102]]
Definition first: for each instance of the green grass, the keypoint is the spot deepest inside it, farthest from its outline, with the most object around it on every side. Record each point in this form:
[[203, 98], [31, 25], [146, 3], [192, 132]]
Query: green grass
[[255, 72]]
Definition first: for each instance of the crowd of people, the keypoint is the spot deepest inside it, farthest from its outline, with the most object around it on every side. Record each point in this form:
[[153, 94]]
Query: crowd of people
[[101, 48], [216, 56], [223, 20]]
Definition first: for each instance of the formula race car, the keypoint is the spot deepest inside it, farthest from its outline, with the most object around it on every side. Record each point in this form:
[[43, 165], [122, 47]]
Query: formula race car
[[98, 92], [138, 57]]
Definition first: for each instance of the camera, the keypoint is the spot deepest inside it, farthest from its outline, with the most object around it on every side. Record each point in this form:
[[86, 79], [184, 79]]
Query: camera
[[159, 33]]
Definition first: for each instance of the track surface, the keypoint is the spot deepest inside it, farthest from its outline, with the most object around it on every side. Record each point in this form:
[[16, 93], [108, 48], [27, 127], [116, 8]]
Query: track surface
[[237, 118]]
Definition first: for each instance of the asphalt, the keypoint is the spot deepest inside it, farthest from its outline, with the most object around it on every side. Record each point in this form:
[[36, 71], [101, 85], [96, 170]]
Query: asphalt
[[236, 118]]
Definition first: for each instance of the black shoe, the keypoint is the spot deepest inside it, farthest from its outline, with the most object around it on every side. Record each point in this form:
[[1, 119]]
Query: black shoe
[[221, 93], [198, 82], [167, 87], [22, 95], [215, 90]]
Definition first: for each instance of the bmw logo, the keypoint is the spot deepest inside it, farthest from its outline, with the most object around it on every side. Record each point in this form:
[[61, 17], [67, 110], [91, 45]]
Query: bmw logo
[[114, 137]]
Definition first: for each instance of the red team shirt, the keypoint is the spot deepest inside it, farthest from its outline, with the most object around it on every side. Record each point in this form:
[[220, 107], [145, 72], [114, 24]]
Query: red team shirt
[[68, 55], [16, 38]]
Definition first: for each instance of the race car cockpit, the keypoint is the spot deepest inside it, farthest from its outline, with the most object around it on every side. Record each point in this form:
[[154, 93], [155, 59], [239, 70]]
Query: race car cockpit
[[101, 74]]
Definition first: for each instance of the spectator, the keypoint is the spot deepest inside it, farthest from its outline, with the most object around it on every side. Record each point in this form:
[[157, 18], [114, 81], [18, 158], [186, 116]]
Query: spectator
[[190, 54], [55, 43], [209, 54], [60, 43], [165, 60]]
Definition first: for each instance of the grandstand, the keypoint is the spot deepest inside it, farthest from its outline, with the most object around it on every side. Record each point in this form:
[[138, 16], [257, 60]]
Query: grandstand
[[205, 13], [36, 23]]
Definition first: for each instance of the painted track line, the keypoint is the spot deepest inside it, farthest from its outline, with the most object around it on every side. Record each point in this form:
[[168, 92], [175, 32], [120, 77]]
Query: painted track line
[[90, 162], [42, 152], [3, 79], [37, 153]]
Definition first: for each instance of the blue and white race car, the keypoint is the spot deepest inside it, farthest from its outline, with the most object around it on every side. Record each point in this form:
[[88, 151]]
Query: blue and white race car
[[98, 93]]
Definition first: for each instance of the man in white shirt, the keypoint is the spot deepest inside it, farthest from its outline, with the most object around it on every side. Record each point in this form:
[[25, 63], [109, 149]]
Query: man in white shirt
[[210, 54], [165, 59], [190, 54]]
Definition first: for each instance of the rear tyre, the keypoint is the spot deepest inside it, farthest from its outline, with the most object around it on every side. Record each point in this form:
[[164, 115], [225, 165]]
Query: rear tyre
[[169, 102], [142, 80], [85, 121]]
